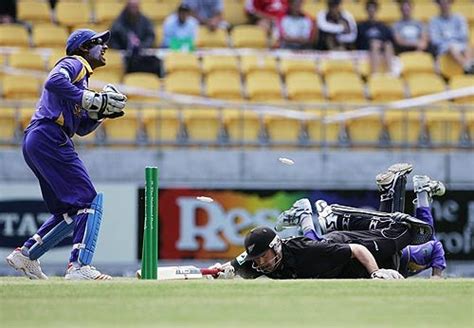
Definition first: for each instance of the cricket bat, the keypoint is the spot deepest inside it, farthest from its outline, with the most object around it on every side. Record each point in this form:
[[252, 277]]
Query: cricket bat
[[185, 272]]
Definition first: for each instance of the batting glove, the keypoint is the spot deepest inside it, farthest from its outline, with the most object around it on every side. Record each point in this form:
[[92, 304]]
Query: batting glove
[[386, 274]]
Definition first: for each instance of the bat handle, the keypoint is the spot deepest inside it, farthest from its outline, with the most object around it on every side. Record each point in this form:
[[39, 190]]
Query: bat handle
[[212, 272]]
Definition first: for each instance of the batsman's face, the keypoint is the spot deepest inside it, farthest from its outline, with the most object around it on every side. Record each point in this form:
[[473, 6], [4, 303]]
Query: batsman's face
[[267, 262]]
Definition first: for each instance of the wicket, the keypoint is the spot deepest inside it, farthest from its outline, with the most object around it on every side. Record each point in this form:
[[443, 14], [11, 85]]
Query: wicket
[[150, 235]]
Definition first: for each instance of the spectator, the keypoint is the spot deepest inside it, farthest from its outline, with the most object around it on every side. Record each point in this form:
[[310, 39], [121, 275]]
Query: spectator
[[208, 13], [376, 37], [180, 27], [265, 13], [337, 27], [297, 31], [409, 34], [7, 11], [132, 31], [448, 33]]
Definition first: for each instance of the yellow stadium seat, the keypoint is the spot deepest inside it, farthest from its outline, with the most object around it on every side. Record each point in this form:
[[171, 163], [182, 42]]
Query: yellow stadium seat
[[158, 34], [282, 130], [359, 132], [145, 82], [389, 12], [403, 126], [444, 126], [107, 12], [263, 86], [415, 62], [157, 11], [465, 9], [114, 61], [26, 113], [13, 35], [425, 11], [55, 56], [20, 87], [357, 10], [8, 122], [248, 36], [252, 63], [162, 125], [102, 76], [72, 13], [242, 126], [462, 81], [181, 62], [304, 87], [345, 87], [183, 82], [91, 26], [288, 66], [234, 12], [471, 36], [124, 130], [470, 125], [211, 39], [312, 8], [385, 88], [330, 66], [212, 63], [449, 67], [424, 84], [34, 11], [27, 60], [49, 36], [320, 133], [202, 125], [224, 85]]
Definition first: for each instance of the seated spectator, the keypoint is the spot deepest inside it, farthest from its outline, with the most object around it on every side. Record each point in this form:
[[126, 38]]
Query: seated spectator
[[208, 13], [376, 37], [297, 31], [265, 13], [337, 27], [409, 34], [449, 34], [180, 28], [132, 31], [7, 11]]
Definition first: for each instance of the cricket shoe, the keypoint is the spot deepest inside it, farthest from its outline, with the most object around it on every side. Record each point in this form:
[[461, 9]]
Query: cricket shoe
[[432, 187], [422, 232], [31, 268], [85, 272], [326, 218], [292, 217], [386, 181]]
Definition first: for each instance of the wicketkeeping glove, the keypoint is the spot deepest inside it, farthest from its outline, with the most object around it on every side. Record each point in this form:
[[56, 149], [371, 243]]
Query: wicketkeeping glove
[[386, 274], [106, 104]]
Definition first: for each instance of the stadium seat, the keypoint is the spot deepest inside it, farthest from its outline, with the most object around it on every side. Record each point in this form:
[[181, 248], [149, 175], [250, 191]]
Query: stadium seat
[[181, 62], [242, 126], [289, 66], [330, 66], [320, 133], [282, 130], [389, 12], [158, 35], [264, 86], [123, 130], [424, 84], [107, 12], [101, 77], [469, 117], [13, 35], [25, 116], [72, 13], [403, 126], [462, 81], [202, 125], [356, 9], [304, 87], [162, 125], [49, 36], [312, 8], [27, 60], [8, 122], [449, 67], [234, 12], [224, 85], [114, 61], [415, 62], [54, 56], [252, 63], [146, 81], [424, 11], [211, 39], [20, 87], [345, 87], [248, 36], [471, 36], [444, 126], [183, 82], [359, 132], [465, 9], [212, 63], [385, 88], [34, 11], [157, 11]]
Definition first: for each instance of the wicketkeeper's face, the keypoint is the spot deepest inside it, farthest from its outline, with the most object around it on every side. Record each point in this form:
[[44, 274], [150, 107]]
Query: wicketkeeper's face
[[97, 49]]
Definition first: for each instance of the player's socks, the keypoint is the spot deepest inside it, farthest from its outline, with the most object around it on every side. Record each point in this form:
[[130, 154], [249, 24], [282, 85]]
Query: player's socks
[[307, 225], [422, 199]]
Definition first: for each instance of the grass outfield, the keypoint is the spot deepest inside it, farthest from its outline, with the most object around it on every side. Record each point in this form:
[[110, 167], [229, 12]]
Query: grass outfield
[[237, 303]]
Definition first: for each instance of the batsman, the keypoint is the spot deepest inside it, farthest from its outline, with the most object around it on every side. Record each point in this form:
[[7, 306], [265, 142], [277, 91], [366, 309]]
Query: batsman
[[67, 107]]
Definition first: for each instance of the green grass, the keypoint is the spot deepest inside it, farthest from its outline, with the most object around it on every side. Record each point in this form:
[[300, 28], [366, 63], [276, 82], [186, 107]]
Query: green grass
[[237, 303]]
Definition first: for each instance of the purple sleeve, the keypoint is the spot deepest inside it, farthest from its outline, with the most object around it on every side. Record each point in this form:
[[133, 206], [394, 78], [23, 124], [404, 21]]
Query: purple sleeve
[[87, 125], [61, 77], [424, 214], [437, 256]]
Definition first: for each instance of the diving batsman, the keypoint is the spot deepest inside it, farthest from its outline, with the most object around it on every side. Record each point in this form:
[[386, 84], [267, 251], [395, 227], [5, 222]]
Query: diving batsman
[[67, 107]]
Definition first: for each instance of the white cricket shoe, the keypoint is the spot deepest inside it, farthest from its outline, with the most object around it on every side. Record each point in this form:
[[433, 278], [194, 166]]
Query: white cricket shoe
[[85, 272], [386, 181], [20, 262], [293, 216], [432, 187]]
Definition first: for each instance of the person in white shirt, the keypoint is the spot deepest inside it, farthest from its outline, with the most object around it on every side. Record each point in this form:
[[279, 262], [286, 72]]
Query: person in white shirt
[[337, 27]]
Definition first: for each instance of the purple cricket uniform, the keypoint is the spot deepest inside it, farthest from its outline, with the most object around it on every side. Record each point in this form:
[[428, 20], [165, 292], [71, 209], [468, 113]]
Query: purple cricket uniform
[[421, 257], [49, 151]]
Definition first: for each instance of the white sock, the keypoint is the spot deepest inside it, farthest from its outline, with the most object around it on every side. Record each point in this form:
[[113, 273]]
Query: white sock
[[422, 199], [307, 224]]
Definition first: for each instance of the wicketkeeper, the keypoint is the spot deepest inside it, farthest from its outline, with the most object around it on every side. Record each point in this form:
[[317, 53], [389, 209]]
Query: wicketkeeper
[[66, 108]]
